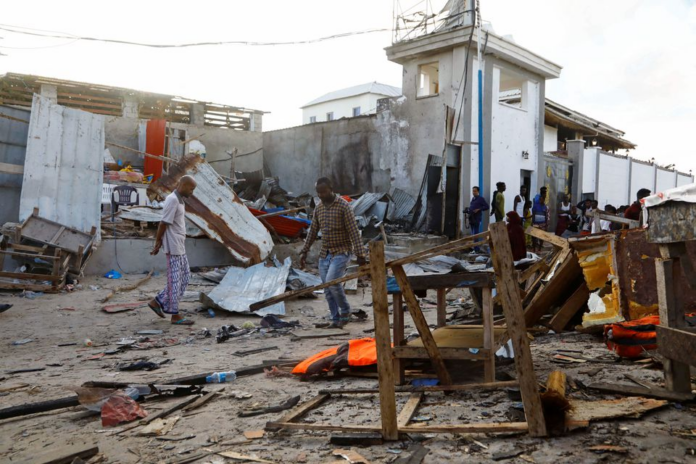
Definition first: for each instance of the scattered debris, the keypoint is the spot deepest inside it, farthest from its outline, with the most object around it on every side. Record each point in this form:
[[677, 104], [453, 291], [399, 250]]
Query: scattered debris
[[120, 408], [290, 403], [139, 366], [352, 456], [159, 427], [254, 434], [583, 412], [241, 457]]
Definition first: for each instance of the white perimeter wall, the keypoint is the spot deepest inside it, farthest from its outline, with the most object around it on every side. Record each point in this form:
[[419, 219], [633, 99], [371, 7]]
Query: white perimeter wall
[[342, 108], [513, 130], [665, 180], [550, 138], [683, 179], [642, 176], [613, 180], [589, 171]]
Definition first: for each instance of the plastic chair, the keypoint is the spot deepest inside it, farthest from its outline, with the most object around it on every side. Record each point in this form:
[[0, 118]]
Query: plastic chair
[[123, 196]]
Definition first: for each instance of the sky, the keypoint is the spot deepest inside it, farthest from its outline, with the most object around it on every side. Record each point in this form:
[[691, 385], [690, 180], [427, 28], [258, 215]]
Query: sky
[[628, 63]]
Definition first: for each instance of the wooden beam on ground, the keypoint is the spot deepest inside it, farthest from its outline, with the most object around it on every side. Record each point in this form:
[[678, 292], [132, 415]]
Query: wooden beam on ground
[[42, 406], [421, 325], [202, 400], [66, 454], [509, 290], [636, 390], [667, 273], [127, 288], [572, 305], [409, 409], [299, 411], [433, 388], [548, 237], [385, 367], [677, 345], [167, 411], [539, 266], [464, 428]]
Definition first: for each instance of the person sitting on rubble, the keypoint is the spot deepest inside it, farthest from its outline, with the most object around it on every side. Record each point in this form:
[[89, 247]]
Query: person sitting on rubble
[[498, 203], [171, 234], [516, 235], [633, 211], [339, 236]]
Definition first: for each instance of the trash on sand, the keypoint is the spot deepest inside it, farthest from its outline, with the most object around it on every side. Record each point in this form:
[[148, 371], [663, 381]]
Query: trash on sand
[[290, 403], [139, 366], [221, 377], [94, 398], [600, 449], [150, 332], [4, 307], [352, 456], [120, 408], [112, 274], [274, 372], [31, 295], [254, 434], [119, 308], [271, 321], [226, 332], [87, 342], [240, 395], [23, 341], [241, 457], [159, 427]]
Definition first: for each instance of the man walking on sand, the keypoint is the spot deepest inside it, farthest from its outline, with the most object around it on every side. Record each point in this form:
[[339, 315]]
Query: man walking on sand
[[339, 236], [171, 234]]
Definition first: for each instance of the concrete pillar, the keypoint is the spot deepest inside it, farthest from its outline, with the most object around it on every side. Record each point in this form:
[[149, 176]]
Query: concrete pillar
[[197, 114], [576, 151], [50, 91], [131, 107], [256, 122]]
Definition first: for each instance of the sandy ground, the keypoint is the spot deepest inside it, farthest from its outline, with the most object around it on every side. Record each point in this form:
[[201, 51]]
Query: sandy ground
[[51, 320]]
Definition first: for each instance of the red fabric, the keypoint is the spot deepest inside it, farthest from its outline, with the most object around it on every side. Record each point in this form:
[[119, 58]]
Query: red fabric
[[154, 145], [516, 234], [120, 408], [633, 211]]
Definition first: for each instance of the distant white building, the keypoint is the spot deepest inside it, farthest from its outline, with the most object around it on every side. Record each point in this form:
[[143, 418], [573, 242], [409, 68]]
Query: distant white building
[[347, 103]]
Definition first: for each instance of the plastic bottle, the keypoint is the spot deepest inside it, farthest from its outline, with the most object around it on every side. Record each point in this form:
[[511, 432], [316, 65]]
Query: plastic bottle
[[88, 342], [221, 377]]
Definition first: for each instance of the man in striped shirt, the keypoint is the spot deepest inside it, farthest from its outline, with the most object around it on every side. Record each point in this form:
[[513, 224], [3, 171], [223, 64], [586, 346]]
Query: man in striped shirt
[[339, 237]]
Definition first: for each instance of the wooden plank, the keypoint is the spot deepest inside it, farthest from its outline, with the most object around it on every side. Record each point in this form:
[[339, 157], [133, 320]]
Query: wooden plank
[[421, 325], [419, 352], [434, 388], [637, 390], [470, 428], [548, 237], [454, 280], [65, 454], [441, 307], [449, 247], [667, 273], [7, 168], [488, 335], [409, 409], [398, 312], [509, 290], [42, 406], [167, 411], [202, 400], [299, 411], [385, 368], [677, 345], [566, 274], [539, 266], [572, 305]]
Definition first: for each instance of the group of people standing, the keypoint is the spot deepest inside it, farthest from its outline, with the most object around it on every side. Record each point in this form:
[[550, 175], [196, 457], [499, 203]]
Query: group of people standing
[[572, 219]]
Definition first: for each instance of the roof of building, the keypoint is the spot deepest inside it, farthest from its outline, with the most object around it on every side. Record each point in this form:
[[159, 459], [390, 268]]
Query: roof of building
[[18, 89], [370, 87]]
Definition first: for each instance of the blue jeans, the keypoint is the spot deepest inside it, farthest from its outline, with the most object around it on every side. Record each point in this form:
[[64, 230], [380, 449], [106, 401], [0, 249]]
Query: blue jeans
[[330, 268]]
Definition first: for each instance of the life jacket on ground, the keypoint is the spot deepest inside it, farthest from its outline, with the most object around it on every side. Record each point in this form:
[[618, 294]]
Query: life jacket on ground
[[355, 353], [630, 339]]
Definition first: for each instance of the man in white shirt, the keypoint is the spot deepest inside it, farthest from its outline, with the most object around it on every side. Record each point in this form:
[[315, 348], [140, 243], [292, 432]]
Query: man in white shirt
[[171, 234]]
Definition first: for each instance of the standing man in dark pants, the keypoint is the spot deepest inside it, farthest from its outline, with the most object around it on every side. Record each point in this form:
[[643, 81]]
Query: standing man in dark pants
[[339, 236], [498, 203], [476, 207]]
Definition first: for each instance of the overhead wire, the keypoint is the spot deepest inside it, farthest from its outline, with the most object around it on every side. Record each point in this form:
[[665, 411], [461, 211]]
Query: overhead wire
[[64, 35]]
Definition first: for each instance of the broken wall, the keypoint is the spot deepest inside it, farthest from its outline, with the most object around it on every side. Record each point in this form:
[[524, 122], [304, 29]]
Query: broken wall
[[349, 151], [124, 131]]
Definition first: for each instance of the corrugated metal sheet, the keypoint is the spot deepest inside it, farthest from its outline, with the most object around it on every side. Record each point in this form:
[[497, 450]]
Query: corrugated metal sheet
[[216, 209], [403, 204], [365, 202], [13, 147], [64, 167], [242, 287]]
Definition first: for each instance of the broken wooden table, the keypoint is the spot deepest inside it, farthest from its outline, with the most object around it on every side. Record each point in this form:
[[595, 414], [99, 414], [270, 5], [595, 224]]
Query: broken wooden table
[[391, 425], [440, 283]]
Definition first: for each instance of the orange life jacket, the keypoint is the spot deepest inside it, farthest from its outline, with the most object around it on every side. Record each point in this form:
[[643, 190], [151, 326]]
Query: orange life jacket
[[354, 353], [630, 339]]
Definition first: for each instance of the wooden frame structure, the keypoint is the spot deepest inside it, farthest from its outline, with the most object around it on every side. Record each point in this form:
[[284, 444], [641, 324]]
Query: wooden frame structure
[[675, 341], [393, 424]]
